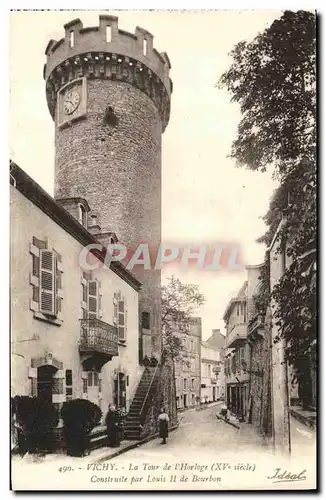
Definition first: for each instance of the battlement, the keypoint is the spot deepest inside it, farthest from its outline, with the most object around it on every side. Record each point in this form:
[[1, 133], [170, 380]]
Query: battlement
[[107, 38]]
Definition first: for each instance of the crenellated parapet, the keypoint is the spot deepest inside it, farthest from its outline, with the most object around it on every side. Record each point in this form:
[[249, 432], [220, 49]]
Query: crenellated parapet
[[107, 52]]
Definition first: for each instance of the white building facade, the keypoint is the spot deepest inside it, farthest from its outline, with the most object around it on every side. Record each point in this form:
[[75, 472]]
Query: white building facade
[[74, 332], [212, 374]]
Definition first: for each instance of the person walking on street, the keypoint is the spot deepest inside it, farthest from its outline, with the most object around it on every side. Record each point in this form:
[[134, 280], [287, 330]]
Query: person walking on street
[[163, 421]]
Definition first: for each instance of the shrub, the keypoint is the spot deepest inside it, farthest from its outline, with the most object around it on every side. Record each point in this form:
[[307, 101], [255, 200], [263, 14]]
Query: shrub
[[81, 413], [79, 416], [36, 419]]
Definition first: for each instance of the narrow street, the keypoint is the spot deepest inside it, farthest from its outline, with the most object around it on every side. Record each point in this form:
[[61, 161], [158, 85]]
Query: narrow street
[[200, 439], [200, 432]]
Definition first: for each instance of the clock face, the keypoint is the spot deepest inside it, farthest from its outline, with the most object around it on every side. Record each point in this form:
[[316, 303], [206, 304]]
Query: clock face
[[71, 102]]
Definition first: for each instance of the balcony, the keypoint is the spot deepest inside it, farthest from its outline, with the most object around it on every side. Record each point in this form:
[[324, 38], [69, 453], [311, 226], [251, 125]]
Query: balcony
[[256, 327], [237, 336], [98, 342]]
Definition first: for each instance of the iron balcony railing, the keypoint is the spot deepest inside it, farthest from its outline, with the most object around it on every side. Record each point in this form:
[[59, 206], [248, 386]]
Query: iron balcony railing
[[98, 336]]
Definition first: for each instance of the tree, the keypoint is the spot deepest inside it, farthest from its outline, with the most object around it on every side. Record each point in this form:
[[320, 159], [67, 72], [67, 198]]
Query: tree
[[179, 303], [273, 78]]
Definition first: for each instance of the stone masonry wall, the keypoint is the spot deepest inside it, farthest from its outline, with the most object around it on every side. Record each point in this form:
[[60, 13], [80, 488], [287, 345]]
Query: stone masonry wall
[[260, 374], [118, 171]]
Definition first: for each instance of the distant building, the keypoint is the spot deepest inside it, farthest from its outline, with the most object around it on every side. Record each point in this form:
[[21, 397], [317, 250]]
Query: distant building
[[237, 355], [188, 371], [216, 340], [212, 374]]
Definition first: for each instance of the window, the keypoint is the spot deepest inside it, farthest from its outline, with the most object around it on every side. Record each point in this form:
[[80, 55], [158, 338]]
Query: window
[[185, 384], [121, 320], [192, 346], [72, 39], [242, 357], [84, 385], [237, 359], [108, 34], [92, 305], [82, 216], [36, 266], [46, 281], [92, 379], [233, 364], [145, 320], [68, 377], [68, 385], [238, 309], [90, 298], [192, 384], [47, 277], [84, 292], [119, 316], [144, 47], [209, 370]]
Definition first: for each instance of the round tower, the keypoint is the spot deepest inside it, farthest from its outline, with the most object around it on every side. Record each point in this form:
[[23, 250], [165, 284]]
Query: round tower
[[108, 92]]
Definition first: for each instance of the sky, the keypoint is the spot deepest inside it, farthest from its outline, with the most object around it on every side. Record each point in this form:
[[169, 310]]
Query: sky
[[205, 196]]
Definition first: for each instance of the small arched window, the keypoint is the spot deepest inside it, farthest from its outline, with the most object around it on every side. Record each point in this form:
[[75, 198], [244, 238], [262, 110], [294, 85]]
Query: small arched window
[[145, 47], [72, 38], [108, 34], [83, 216]]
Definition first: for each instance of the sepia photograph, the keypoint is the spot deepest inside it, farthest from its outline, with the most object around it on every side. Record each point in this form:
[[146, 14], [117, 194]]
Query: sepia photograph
[[163, 250]]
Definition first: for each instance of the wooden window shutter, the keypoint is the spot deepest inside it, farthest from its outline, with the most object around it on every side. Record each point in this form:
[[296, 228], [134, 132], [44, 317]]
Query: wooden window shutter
[[121, 319], [58, 286], [115, 309], [92, 287], [47, 282]]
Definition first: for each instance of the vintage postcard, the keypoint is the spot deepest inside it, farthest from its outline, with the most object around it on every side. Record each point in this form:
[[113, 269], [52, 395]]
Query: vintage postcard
[[163, 193]]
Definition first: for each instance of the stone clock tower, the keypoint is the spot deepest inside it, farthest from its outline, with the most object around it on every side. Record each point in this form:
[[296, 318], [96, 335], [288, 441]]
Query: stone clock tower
[[108, 92]]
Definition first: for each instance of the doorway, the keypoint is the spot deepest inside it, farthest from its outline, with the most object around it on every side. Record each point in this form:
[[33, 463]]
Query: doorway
[[185, 400], [45, 382], [120, 391], [214, 394]]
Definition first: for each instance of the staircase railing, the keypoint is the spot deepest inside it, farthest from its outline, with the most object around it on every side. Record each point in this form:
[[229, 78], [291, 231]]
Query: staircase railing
[[148, 391]]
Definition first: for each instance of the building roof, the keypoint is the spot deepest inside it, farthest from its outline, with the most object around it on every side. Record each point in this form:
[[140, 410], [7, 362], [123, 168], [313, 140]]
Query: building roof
[[240, 296], [216, 340], [40, 198]]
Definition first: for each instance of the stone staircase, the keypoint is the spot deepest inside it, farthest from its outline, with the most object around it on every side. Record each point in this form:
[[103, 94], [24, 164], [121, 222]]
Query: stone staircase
[[133, 429], [134, 420]]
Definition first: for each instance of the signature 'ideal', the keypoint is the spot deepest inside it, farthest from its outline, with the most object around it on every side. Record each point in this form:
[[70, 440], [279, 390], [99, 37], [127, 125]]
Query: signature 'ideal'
[[287, 476]]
